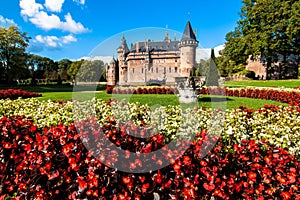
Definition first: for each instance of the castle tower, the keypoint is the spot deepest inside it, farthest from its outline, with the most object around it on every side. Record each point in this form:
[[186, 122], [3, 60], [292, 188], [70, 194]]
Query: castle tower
[[122, 51], [167, 38], [111, 72], [187, 46]]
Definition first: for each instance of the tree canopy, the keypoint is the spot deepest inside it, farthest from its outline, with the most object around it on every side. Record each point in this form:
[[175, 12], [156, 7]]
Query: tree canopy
[[266, 29], [90, 71], [13, 55]]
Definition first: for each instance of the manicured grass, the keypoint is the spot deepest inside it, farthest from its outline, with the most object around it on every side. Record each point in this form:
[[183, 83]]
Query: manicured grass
[[264, 83], [154, 100], [65, 92]]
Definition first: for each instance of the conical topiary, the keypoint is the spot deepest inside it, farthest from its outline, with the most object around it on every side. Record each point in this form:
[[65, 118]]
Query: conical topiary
[[212, 77]]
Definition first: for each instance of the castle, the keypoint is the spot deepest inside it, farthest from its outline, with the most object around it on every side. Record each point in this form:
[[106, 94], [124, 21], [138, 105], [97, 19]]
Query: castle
[[153, 61]]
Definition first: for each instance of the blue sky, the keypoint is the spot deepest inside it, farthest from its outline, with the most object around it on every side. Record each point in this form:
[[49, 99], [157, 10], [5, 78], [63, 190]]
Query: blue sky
[[74, 28]]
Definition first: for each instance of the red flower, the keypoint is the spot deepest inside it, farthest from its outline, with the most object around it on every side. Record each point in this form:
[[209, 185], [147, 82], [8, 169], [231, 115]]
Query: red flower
[[187, 160], [251, 176], [148, 148], [81, 183], [268, 160], [209, 186], [145, 187], [126, 179], [176, 167], [33, 129], [203, 163], [285, 195]]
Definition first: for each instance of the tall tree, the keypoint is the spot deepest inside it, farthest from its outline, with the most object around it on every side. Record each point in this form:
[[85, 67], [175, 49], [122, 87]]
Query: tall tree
[[265, 30], [63, 66], [91, 71], [203, 67], [212, 78], [33, 63], [73, 69], [13, 45], [50, 67]]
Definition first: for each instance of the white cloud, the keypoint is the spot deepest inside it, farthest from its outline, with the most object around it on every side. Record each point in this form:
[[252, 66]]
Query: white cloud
[[36, 14], [218, 49], [4, 22], [68, 39], [105, 59], [204, 53], [72, 26], [54, 41], [54, 5], [82, 2], [29, 8], [45, 21], [49, 41]]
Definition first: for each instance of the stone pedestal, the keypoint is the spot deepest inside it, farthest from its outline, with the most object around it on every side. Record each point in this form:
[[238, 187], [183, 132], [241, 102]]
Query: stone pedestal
[[187, 95]]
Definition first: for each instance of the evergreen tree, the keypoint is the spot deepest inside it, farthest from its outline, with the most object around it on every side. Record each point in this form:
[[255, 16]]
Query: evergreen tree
[[212, 78]]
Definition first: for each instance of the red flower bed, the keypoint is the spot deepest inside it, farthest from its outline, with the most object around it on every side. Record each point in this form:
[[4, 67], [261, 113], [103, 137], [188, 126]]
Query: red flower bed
[[292, 97], [54, 164], [16, 93], [141, 90]]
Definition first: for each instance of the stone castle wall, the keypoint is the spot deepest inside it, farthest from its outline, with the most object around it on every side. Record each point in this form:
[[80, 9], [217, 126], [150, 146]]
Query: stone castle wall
[[257, 67], [151, 61]]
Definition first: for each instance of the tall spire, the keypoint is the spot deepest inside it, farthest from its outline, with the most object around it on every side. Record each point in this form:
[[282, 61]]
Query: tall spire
[[123, 44], [188, 33], [167, 34]]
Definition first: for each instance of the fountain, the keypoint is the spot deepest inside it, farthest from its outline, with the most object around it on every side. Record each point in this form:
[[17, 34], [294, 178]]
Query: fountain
[[188, 93]]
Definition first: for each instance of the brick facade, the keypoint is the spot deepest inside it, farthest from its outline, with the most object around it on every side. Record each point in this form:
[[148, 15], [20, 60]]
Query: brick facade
[[283, 68]]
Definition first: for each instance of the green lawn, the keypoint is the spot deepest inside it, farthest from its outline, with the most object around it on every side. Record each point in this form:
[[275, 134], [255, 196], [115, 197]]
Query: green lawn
[[264, 83], [163, 100], [65, 92]]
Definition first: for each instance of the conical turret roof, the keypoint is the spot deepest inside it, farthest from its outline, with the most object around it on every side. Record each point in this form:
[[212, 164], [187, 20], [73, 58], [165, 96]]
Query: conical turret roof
[[123, 44], [113, 60], [188, 33]]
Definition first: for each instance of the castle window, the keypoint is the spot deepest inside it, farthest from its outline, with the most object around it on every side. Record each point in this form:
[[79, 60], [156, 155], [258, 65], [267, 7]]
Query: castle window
[[175, 60], [152, 70], [156, 69], [142, 70], [133, 70], [175, 69], [170, 70], [164, 69]]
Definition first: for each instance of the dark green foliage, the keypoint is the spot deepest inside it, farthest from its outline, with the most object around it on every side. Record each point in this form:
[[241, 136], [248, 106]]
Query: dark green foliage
[[91, 71], [266, 28], [13, 45], [212, 78]]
